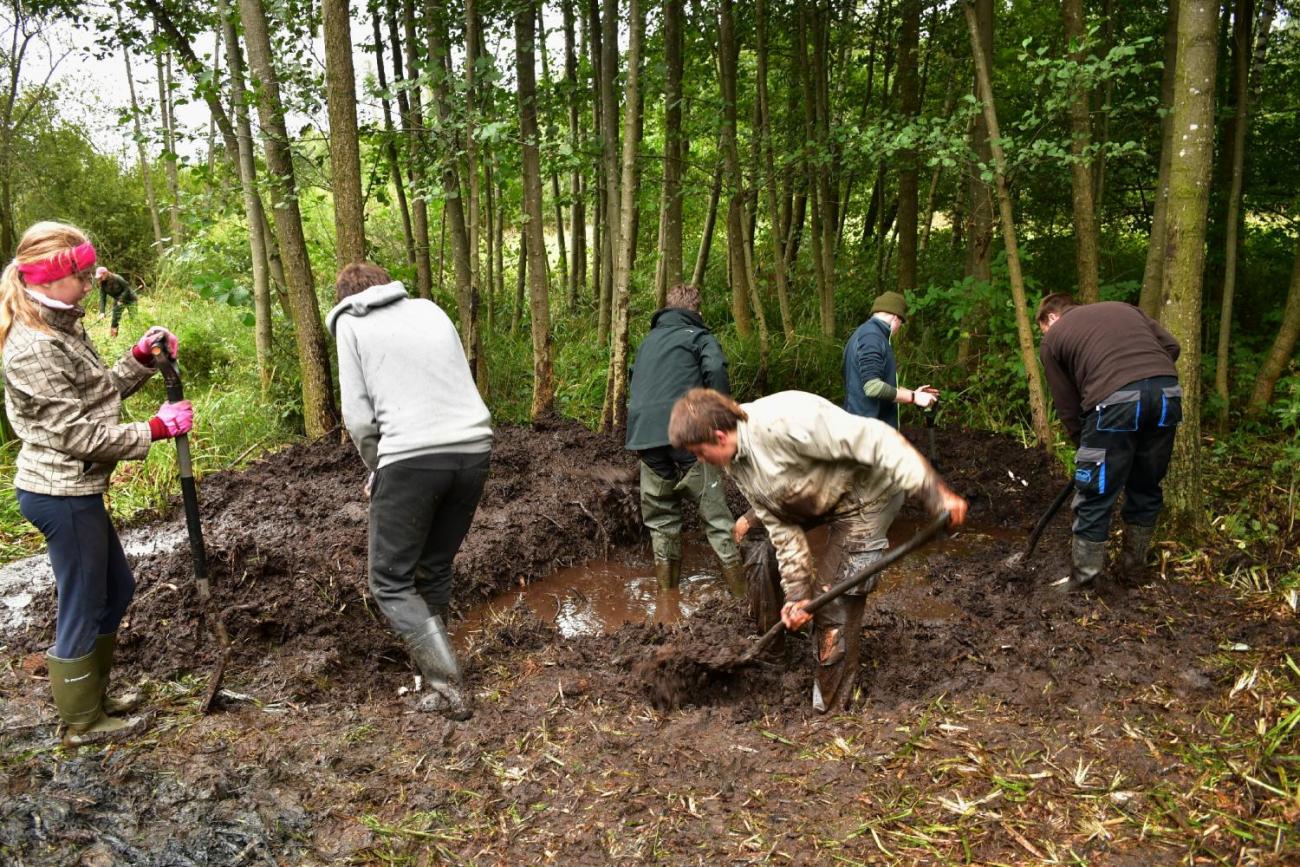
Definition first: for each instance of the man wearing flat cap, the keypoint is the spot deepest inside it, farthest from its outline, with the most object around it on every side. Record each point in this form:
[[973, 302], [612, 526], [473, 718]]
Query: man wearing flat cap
[[870, 373]]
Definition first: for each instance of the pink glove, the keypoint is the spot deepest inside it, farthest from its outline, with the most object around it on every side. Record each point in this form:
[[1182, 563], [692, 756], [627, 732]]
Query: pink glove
[[172, 420], [143, 350]]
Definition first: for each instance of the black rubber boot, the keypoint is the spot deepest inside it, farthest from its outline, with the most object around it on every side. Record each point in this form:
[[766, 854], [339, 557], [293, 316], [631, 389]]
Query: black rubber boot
[[1089, 559], [431, 649], [1133, 556]]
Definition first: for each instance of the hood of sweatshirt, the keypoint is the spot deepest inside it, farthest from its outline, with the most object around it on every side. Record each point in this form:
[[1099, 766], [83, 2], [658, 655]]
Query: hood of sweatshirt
[[363, 302]]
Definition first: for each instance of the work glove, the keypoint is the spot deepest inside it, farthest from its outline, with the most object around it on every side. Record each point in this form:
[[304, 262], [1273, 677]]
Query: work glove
[[172, 420], [143, 349]]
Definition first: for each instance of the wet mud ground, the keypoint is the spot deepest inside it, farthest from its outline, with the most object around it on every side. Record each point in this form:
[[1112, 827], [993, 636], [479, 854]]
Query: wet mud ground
[[997, 721]]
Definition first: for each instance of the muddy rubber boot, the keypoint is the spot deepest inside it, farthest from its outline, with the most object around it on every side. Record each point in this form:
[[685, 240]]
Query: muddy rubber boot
[[837, 641], [668, 573], [105, 646], [734, 575], [78, 693], [433, 655], [1133, 556], [1089, 559]]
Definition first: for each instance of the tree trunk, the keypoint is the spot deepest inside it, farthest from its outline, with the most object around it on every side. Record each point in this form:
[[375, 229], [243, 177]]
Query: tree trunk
[[163, 61], [551, 134], [262, 334], [145, 174], [1279, 354], [769, 170], [910, 104], [345, 155], [609, 151], [462, 251], [1153, 273], [1241, 50], [1085, 209], [615, 412], [521, 279], [319, 415], [415, 155], [1189, 186], [671, 248], [710, 224], [539, 302], [577, 216], [390, 141], [979, 236], [470, 221], [1037, 403]]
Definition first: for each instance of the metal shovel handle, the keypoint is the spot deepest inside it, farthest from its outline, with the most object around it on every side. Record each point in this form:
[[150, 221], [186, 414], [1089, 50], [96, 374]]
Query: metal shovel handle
[[1047, 517], [927, 533]]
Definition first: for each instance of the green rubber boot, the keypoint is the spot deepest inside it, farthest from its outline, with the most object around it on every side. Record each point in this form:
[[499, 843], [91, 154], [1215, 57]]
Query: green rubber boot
[[668, 573], [105, 646], [79, 696], [734, 575], [1134, 553], [1088, 559]]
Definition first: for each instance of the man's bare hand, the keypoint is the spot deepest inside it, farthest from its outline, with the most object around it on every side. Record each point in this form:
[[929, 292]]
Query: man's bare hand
[[794, 616], [742, 527], [955, 504]]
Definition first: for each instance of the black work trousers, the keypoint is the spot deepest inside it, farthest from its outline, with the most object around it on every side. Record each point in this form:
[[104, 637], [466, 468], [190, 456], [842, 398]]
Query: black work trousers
[[1125, 446], [420, 511]]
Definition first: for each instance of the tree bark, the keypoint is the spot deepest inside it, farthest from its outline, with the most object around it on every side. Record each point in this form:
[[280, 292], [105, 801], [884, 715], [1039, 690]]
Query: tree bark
[[769, 169], [609, 150], [415, 154], [539, 302], [910, 105], [1184, 261], [1153, 273], [345, 155], [577, 215], [390, 141], [1081, 179], [163, 62], [1037, 403], [319, 415], [470, 221], [262, 334], [615, 415], [556, 204], [1279, 354], [145, 174], [710, 224], [1241, 54], [671, 247]]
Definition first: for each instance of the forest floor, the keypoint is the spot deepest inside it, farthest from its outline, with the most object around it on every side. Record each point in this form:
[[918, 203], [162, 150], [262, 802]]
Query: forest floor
[[997, 721]]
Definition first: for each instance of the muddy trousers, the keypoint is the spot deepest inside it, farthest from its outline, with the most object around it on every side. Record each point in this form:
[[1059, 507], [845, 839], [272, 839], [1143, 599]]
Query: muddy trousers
[[91, 576], [420, 511], [1125, 447], [856, 542], [661, 511]]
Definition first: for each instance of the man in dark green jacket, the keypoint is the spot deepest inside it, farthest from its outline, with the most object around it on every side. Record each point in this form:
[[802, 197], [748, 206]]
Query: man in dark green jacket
[[679, 353], [113, 286]]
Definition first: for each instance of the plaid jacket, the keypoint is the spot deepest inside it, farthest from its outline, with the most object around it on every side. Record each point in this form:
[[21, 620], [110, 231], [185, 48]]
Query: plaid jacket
[[65, 405]]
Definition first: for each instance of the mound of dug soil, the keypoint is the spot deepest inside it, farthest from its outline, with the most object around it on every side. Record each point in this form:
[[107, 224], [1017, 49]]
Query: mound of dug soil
[[287, 539]]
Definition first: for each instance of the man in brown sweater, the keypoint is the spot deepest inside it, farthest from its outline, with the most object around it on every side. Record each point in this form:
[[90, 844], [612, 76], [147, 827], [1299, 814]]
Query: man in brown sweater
[[1111, 371]]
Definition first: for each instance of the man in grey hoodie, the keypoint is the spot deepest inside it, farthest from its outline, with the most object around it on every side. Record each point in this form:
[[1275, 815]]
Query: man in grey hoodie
[[423, 431]]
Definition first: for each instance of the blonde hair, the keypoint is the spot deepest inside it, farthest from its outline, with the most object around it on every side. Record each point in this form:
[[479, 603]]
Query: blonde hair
[[40, 241], [699, 413]]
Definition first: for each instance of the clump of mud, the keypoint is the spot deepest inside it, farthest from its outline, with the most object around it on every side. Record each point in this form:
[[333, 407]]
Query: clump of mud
[[287, 544]]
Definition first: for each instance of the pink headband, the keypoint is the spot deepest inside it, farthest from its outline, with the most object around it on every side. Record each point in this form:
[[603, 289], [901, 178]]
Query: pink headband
[[58, 266]]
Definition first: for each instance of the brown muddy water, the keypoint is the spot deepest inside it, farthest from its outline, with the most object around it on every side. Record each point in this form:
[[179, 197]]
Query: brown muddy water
[[599, 596]]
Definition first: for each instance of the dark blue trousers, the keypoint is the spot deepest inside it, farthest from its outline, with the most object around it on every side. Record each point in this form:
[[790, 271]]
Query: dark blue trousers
[[91, 575], [1125, 447]]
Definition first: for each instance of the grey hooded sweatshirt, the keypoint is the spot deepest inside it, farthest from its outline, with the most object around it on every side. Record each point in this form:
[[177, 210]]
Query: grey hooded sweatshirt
[[407, 389]]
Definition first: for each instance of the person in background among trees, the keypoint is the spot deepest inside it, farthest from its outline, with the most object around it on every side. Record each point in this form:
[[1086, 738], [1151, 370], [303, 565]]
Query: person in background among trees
[[113, 286], [1113, 380], [803, 462], [679, 353], [423, 431], [65, 405]]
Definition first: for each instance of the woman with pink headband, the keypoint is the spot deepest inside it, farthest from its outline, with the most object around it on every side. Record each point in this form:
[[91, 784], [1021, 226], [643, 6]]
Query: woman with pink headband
[[65, 404]]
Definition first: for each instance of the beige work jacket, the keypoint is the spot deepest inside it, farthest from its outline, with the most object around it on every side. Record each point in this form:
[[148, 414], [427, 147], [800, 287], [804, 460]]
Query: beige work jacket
[[801, 461]]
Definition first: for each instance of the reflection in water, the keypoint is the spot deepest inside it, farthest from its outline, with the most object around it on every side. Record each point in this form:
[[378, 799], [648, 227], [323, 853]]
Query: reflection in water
[[602, 595]]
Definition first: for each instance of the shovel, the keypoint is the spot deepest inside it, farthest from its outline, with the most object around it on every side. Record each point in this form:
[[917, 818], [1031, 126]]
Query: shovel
[[928, 532], [1021, 557], [930, 412], [190, 495]]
